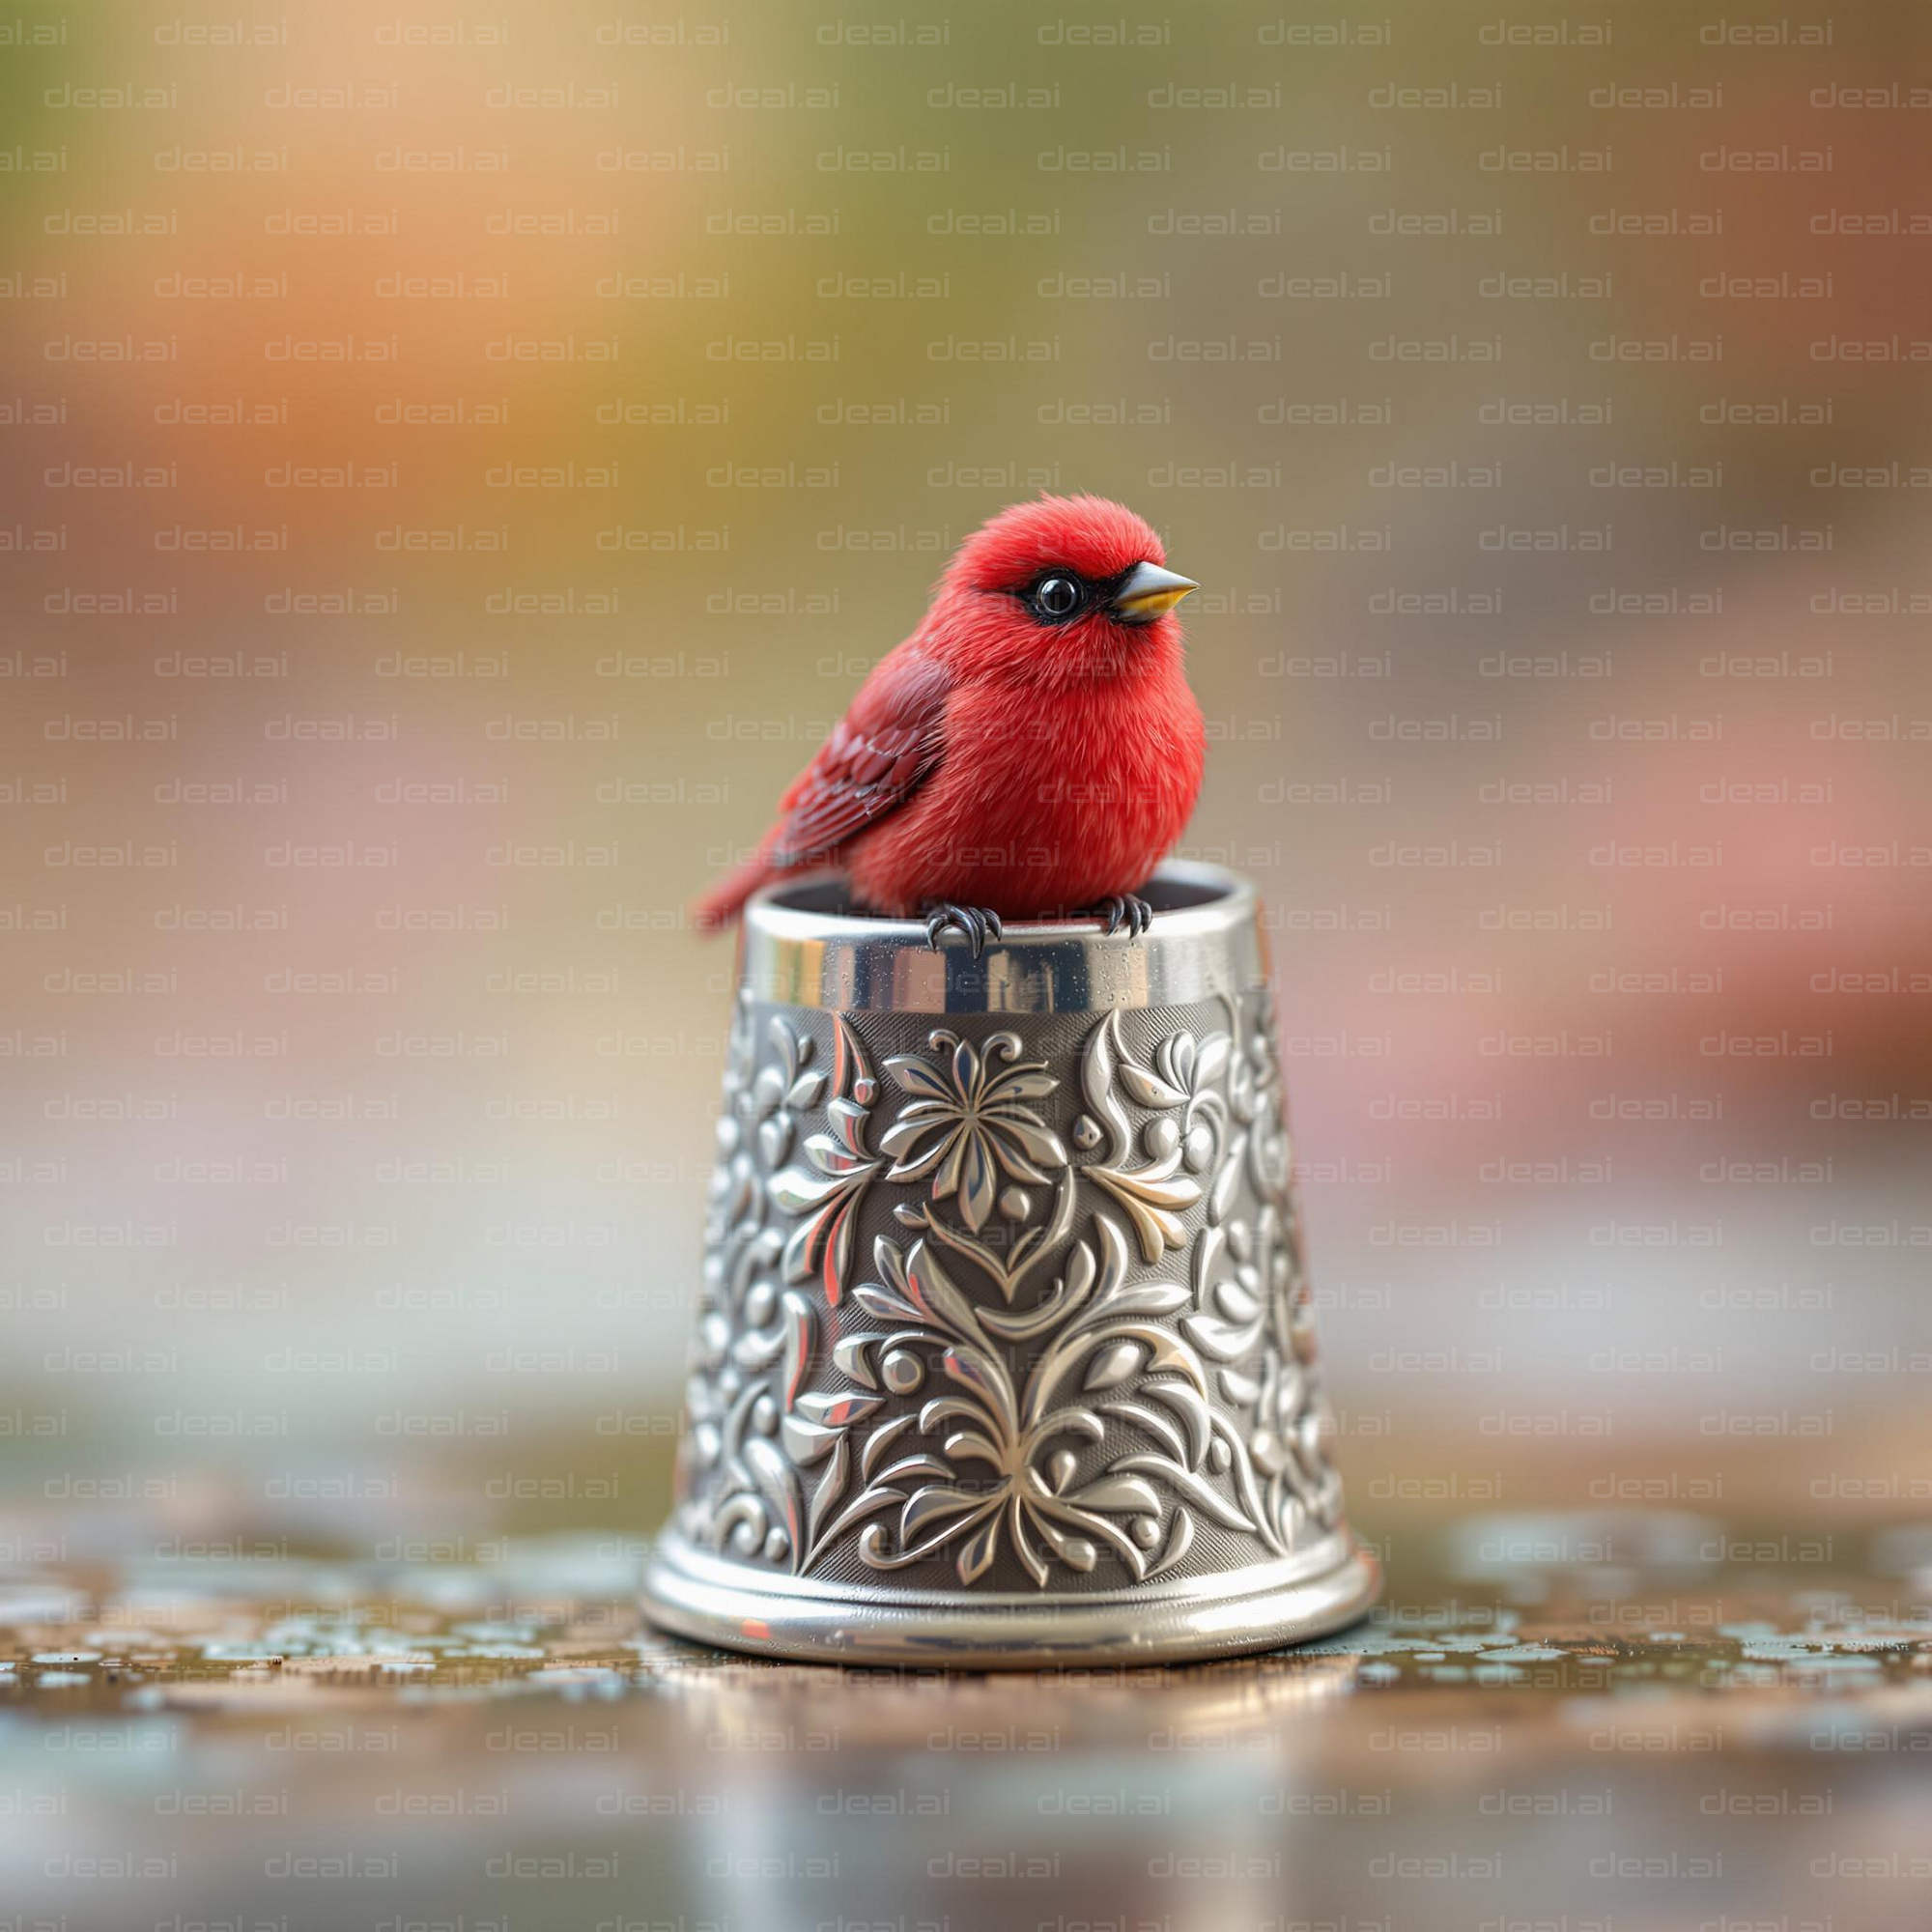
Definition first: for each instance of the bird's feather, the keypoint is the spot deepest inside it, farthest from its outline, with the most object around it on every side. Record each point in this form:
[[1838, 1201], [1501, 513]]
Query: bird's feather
[[888, 744], [884, 748]]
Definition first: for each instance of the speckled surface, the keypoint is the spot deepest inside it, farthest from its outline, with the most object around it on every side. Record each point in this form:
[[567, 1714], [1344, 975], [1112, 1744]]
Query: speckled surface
[[1559, 1722]]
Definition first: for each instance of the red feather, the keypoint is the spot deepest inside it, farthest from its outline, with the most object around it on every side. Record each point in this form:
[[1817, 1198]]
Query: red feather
[[877, 753]]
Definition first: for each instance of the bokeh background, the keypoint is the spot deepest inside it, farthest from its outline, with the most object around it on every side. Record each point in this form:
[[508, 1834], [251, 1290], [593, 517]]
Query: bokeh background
[[460, 462]]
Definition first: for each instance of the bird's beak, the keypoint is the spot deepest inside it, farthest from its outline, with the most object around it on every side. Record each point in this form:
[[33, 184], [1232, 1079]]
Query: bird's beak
[[1149, 592]]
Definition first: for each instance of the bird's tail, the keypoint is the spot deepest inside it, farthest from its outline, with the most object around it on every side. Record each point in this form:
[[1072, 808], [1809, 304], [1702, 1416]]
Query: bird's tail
[[715, 909]]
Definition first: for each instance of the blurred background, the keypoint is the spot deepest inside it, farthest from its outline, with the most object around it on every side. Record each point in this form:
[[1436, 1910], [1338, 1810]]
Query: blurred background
[[461, 461]]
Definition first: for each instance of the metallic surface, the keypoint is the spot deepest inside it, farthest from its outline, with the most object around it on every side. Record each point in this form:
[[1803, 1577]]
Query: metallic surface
[[801, 946], [1006, 1352], [697, 1596]]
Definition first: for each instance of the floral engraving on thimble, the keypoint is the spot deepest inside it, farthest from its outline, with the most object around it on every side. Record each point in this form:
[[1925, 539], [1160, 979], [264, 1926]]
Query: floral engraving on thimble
[[1072, 1345]]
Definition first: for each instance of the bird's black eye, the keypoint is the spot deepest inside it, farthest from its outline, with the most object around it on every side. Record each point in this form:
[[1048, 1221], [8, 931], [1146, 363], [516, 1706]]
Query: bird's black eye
[[1057, 597]]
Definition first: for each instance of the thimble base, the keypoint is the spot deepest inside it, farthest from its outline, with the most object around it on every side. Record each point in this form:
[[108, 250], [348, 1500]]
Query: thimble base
[[697, 1594]]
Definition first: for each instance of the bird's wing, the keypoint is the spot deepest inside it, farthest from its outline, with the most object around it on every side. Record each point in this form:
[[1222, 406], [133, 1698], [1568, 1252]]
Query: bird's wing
[[879, 753]]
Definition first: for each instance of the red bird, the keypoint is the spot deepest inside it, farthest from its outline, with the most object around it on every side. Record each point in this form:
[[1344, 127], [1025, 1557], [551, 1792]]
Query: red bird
[[1031, 751]]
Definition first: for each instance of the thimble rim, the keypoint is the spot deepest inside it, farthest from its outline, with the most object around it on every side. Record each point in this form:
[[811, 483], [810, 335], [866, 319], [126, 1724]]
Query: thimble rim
[[803, 944], [1190, 898], [1262, 1607]]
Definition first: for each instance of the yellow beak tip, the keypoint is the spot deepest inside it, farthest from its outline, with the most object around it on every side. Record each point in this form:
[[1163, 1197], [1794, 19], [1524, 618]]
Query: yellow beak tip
[[1151, 591], [1156, 603]]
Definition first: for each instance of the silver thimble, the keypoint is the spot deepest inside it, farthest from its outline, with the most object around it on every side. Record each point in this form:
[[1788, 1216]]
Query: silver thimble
[[1004, 1352]]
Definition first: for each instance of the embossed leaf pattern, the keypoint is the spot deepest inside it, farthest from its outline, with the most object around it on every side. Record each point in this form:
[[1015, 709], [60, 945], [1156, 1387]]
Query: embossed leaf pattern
[[826, 1199], [1155, 1195], [1111, 1368], [800, 1325], [1148, 1088], [1153, 1201], [904, 1430]]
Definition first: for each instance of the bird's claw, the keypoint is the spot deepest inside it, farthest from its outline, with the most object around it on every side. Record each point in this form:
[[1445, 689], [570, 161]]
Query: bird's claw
[[977, 923], [1127, 909]]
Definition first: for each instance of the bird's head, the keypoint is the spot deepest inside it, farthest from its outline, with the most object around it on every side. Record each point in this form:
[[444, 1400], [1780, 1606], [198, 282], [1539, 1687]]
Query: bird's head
[[1060, 590]]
